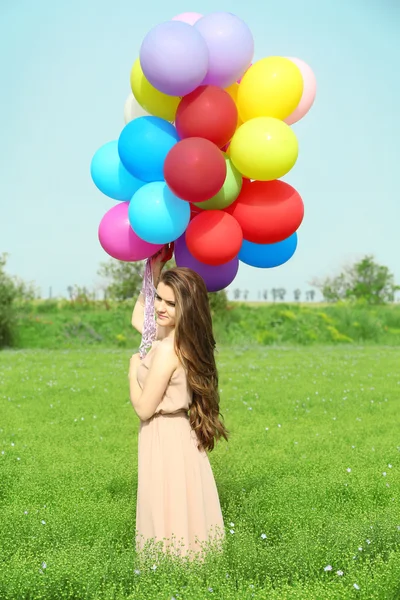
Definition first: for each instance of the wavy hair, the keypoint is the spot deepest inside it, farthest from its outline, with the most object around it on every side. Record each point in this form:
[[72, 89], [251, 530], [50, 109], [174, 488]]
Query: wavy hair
[[195, 346]]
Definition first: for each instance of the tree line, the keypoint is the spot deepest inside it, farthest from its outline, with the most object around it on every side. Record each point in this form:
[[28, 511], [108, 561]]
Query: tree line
[[275, 294], [365, 281]]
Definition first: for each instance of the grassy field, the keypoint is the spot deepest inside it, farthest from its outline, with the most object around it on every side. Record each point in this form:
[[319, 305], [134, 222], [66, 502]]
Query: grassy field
[[309, 481]]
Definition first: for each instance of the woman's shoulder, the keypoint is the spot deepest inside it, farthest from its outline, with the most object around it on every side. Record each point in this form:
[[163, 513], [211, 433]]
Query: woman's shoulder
[[165, 348]]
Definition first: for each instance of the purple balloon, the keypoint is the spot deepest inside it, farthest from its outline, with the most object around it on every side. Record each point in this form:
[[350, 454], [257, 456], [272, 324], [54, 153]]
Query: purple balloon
[[215, 277], [118, 239], [230, 45], [174, 58]]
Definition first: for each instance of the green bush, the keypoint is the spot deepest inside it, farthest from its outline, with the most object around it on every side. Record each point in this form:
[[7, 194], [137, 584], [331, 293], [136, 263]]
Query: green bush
[[218, 302], [7, 309], [52, 324]]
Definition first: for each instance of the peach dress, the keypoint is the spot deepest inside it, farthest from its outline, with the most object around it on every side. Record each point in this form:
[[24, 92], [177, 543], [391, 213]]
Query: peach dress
[[177, 497]]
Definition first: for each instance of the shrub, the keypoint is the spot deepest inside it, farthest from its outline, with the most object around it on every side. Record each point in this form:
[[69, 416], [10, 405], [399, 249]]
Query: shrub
[[8, 293]]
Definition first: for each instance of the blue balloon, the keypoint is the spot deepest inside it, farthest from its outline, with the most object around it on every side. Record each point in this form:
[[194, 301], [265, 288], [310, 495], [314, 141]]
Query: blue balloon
[[267, 256], [110, 175], [156, 215], [143, 146]]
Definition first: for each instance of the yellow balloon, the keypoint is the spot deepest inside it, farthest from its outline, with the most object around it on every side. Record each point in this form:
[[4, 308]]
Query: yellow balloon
[[156, 103], [272, 87], [233, 91], [264, 149]]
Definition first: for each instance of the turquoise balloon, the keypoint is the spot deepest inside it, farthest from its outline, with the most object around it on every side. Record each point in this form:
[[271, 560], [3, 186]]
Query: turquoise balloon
[[156, 215], [143, 146], [110, 176], [267, 256]]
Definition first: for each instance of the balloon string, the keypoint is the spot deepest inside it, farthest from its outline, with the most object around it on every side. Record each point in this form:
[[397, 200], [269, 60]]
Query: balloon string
[[149, 323]]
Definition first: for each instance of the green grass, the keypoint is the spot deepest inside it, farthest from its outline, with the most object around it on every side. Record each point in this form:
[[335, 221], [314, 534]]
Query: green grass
[[298, 417]]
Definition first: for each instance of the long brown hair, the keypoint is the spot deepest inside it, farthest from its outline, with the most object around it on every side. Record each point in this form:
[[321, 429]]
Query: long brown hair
[[195, 345]]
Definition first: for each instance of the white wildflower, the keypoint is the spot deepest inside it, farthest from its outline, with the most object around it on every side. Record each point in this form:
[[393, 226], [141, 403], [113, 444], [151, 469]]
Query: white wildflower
[[328, 568]]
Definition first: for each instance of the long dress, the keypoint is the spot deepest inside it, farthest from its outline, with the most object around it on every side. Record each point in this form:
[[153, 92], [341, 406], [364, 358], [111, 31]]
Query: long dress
[[177, 498]]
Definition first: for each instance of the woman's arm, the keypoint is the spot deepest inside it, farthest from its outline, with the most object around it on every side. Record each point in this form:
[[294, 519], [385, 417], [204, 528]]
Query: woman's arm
[[157, 265], [138, 314], [164, 363]]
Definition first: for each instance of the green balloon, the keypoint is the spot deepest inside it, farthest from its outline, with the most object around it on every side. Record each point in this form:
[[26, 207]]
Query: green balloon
[[229, 191]]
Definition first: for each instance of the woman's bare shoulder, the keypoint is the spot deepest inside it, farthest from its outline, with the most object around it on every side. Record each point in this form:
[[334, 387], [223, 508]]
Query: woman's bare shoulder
[[166, 348]]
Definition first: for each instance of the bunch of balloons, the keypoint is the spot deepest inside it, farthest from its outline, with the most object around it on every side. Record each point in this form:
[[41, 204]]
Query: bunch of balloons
[[206, 141]]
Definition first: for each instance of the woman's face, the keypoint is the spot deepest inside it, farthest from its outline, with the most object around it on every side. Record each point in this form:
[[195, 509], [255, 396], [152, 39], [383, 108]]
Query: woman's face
[[164, 305]]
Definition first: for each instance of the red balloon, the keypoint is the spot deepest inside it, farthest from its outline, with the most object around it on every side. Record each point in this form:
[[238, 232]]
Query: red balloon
[[194, 211], [267, 211], [214, 237], [208, 112], [195, 169]]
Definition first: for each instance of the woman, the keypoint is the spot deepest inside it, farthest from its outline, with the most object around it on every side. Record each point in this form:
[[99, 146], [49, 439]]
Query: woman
[[177, 499]]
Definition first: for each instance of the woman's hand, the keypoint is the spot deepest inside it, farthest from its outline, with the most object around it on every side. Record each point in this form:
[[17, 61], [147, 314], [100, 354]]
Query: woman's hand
[[133, 365], [159, 259]]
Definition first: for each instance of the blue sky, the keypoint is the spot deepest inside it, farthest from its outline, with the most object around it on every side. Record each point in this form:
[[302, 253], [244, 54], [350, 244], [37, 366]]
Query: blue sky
[[65, 77]]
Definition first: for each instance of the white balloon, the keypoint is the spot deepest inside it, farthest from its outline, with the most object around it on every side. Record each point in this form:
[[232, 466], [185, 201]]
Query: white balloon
[[133, 110]]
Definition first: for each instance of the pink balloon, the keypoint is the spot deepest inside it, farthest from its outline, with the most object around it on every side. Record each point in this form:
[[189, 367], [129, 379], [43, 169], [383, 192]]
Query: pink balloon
[[309, 91], [118, 239], [189, 17]]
